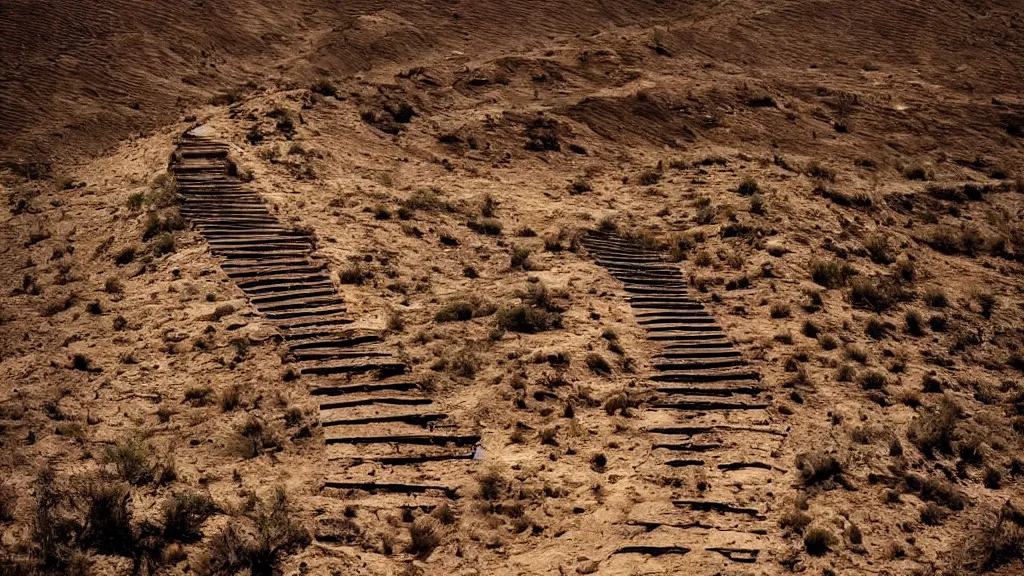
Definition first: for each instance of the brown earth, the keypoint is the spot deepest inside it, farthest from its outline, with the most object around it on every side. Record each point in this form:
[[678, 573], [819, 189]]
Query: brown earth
[[885, 136]]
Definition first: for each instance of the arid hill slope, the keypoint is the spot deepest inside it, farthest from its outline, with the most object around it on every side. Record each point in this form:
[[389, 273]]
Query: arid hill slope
[[840, 184]]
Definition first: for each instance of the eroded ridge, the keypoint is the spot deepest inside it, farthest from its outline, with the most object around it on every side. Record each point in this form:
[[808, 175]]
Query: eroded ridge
[[706, 414], [383, 433]]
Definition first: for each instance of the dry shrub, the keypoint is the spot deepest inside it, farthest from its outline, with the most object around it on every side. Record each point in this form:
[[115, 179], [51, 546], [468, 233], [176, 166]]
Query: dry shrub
[[445, 514], [879, 250], [184, 514], [818, 467], [230, 398], [256, 538], [131, 459], [492, 484], [832, 274], [796, 520], [872, 380], [932, 514], [428, 200], [620, 403], [527, 319], [997, 541], [425, 533], [252, 437], [598, 365], [464, 309], [935, 429], [818, 540], [941, 492], [107, 525]]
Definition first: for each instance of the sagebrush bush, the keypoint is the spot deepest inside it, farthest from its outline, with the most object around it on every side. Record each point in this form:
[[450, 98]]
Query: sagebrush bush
[[879, 293], [492, 484], [780, 310], [107, 525], [254, 540], [526, 319], [914, 322], [879, 250]]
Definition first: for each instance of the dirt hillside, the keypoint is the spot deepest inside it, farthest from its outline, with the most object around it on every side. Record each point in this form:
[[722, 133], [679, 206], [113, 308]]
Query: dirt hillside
[[510, 287]]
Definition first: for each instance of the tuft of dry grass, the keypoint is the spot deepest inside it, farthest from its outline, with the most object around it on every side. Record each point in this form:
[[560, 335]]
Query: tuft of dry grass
[[184, 514], [425, 533], [131, 460], [818, 467], [934, 430], [255, 539], [492, 484], [818, 541]]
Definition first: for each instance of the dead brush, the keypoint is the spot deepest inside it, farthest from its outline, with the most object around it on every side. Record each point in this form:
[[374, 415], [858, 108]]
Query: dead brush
[[620, 403], [819, 468], [107, 524], [492, 484], [425, 534], [253, 437], [996, 542], [255, 538], [935, 430], [184, 514], [131, 460]]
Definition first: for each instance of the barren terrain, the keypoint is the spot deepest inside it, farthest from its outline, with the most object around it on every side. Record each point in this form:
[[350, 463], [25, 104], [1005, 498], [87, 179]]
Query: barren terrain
[[486, 187]]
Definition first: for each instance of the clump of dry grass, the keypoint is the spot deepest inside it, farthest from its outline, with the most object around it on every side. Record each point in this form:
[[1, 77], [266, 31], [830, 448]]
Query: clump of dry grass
[[255, 539], [832, 273], [598, 364], [131, 460], [934, 430], [817, 468], [996, 542], [184, 514], [818, 541], [425, 533], [252, 437], [492, 484], [464, 309]]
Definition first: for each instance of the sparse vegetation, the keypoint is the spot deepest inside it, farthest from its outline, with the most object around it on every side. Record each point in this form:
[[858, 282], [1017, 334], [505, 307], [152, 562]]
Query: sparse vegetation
[[254, 539], [184, 514], [818, 467], [526, 319], [748, 187], [425, 534], [879, 249], [598, 365], [324, 87], [781, 310], [831, 274], [252, 437], [463, 310], [934, 430], [131, 460], [818, 541]]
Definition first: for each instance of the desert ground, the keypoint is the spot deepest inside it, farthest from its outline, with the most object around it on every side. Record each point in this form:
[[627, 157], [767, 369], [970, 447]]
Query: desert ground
[[473, 287]]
